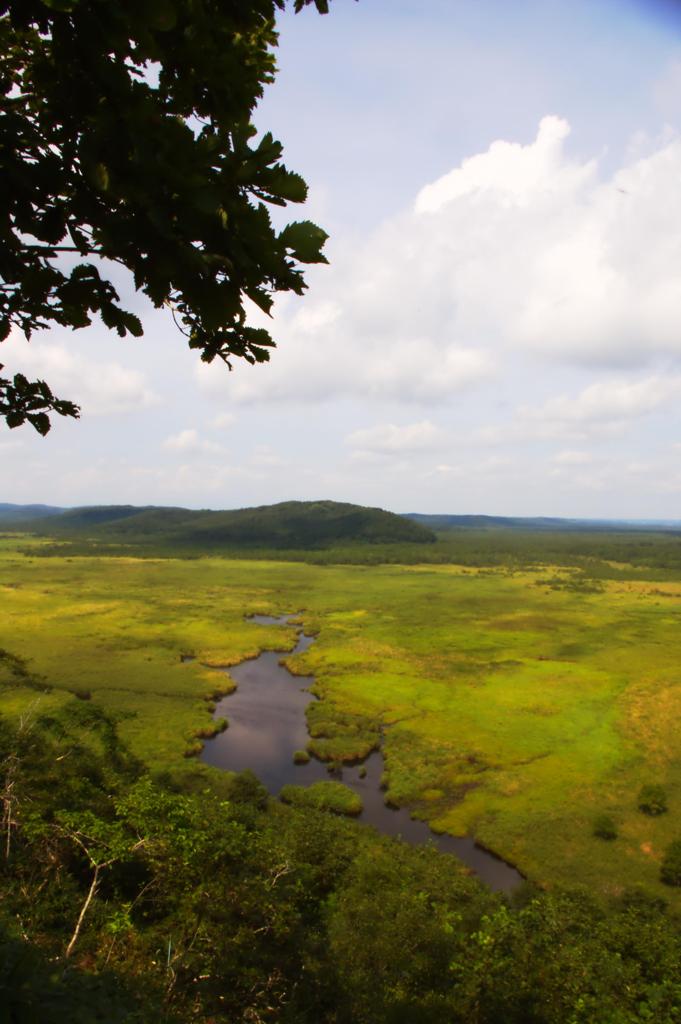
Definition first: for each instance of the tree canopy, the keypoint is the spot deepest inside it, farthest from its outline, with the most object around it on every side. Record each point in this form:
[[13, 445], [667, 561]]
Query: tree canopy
[[126, 135]]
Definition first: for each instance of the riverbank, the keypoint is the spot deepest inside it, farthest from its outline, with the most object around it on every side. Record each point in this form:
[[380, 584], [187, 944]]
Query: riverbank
[[268, 725]]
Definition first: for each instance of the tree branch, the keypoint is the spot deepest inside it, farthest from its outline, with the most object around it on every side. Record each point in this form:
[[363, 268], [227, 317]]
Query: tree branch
[[83, 909]]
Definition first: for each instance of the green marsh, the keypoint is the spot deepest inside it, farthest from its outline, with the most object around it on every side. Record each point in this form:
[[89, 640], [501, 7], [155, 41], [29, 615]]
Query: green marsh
[[513, 704]]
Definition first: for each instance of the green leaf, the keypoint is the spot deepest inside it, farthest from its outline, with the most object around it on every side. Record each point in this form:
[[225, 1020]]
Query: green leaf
[[261, 299], [41, 422], [321, 5], [287, 185], [305, 240], [14, 419], [133, 324], [166, 176]]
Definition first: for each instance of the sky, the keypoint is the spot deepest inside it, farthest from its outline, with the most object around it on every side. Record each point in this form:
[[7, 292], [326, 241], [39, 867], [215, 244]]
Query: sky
[[499, 328]]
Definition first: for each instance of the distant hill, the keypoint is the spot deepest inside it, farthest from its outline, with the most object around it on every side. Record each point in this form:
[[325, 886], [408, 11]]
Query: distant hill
[[291, 524], [303, 525], [442, 523], [26, 513]]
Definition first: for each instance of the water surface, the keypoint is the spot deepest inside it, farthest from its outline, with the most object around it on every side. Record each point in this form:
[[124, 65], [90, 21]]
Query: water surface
[[267, 724]]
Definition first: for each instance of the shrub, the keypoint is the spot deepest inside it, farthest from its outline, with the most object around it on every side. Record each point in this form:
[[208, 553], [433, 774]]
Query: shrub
[[670, 868], [300, 757], [652, 799], [246, 788], [604, 827]]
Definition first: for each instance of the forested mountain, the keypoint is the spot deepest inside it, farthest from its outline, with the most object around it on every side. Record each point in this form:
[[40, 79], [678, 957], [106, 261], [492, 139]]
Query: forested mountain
[[26, 513], [291, 524]]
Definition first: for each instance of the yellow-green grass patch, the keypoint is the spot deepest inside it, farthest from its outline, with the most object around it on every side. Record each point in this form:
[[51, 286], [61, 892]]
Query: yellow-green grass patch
[[508, 708]]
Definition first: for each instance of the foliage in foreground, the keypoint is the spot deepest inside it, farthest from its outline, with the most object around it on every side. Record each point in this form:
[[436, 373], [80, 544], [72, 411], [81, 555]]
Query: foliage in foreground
[[211, 905], [160, 173]]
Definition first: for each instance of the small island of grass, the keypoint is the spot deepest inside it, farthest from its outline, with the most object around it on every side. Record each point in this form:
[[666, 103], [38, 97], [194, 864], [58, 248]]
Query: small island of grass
[[324, 796]]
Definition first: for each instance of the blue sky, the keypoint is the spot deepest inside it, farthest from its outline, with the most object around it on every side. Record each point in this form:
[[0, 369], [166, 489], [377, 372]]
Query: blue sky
[[499, 330]]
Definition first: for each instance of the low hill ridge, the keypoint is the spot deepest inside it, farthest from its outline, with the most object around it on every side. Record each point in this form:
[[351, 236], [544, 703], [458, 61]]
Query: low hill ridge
[[290, 524], [548, 524]]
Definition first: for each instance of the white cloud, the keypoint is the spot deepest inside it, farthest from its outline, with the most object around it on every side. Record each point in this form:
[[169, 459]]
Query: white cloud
[[222, 420], [526, 303], [389, 439], [266, 458], [185, 441], [190, 441], [515, 173], [612, 400], [519, 248], [600, 283], [101, 389], [573, 458], [314, 366]]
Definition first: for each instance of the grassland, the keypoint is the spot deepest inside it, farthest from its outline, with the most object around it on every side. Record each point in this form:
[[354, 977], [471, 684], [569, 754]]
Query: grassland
[[326, 796], [517, 704]]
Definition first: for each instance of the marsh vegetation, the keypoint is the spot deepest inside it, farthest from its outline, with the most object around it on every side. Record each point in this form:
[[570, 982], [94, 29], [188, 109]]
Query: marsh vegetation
[[526, 705]]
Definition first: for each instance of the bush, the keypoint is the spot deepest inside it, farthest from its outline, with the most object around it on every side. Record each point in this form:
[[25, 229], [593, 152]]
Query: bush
[[246, 788], [652, 799], [670, 869], [604, 827], [300, 757]]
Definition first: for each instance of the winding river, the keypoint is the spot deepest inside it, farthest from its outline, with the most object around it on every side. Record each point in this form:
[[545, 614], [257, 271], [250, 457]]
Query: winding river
[[267, 724]]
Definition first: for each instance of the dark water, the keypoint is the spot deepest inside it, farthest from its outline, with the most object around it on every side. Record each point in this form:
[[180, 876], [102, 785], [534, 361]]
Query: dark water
[[267, 724]]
